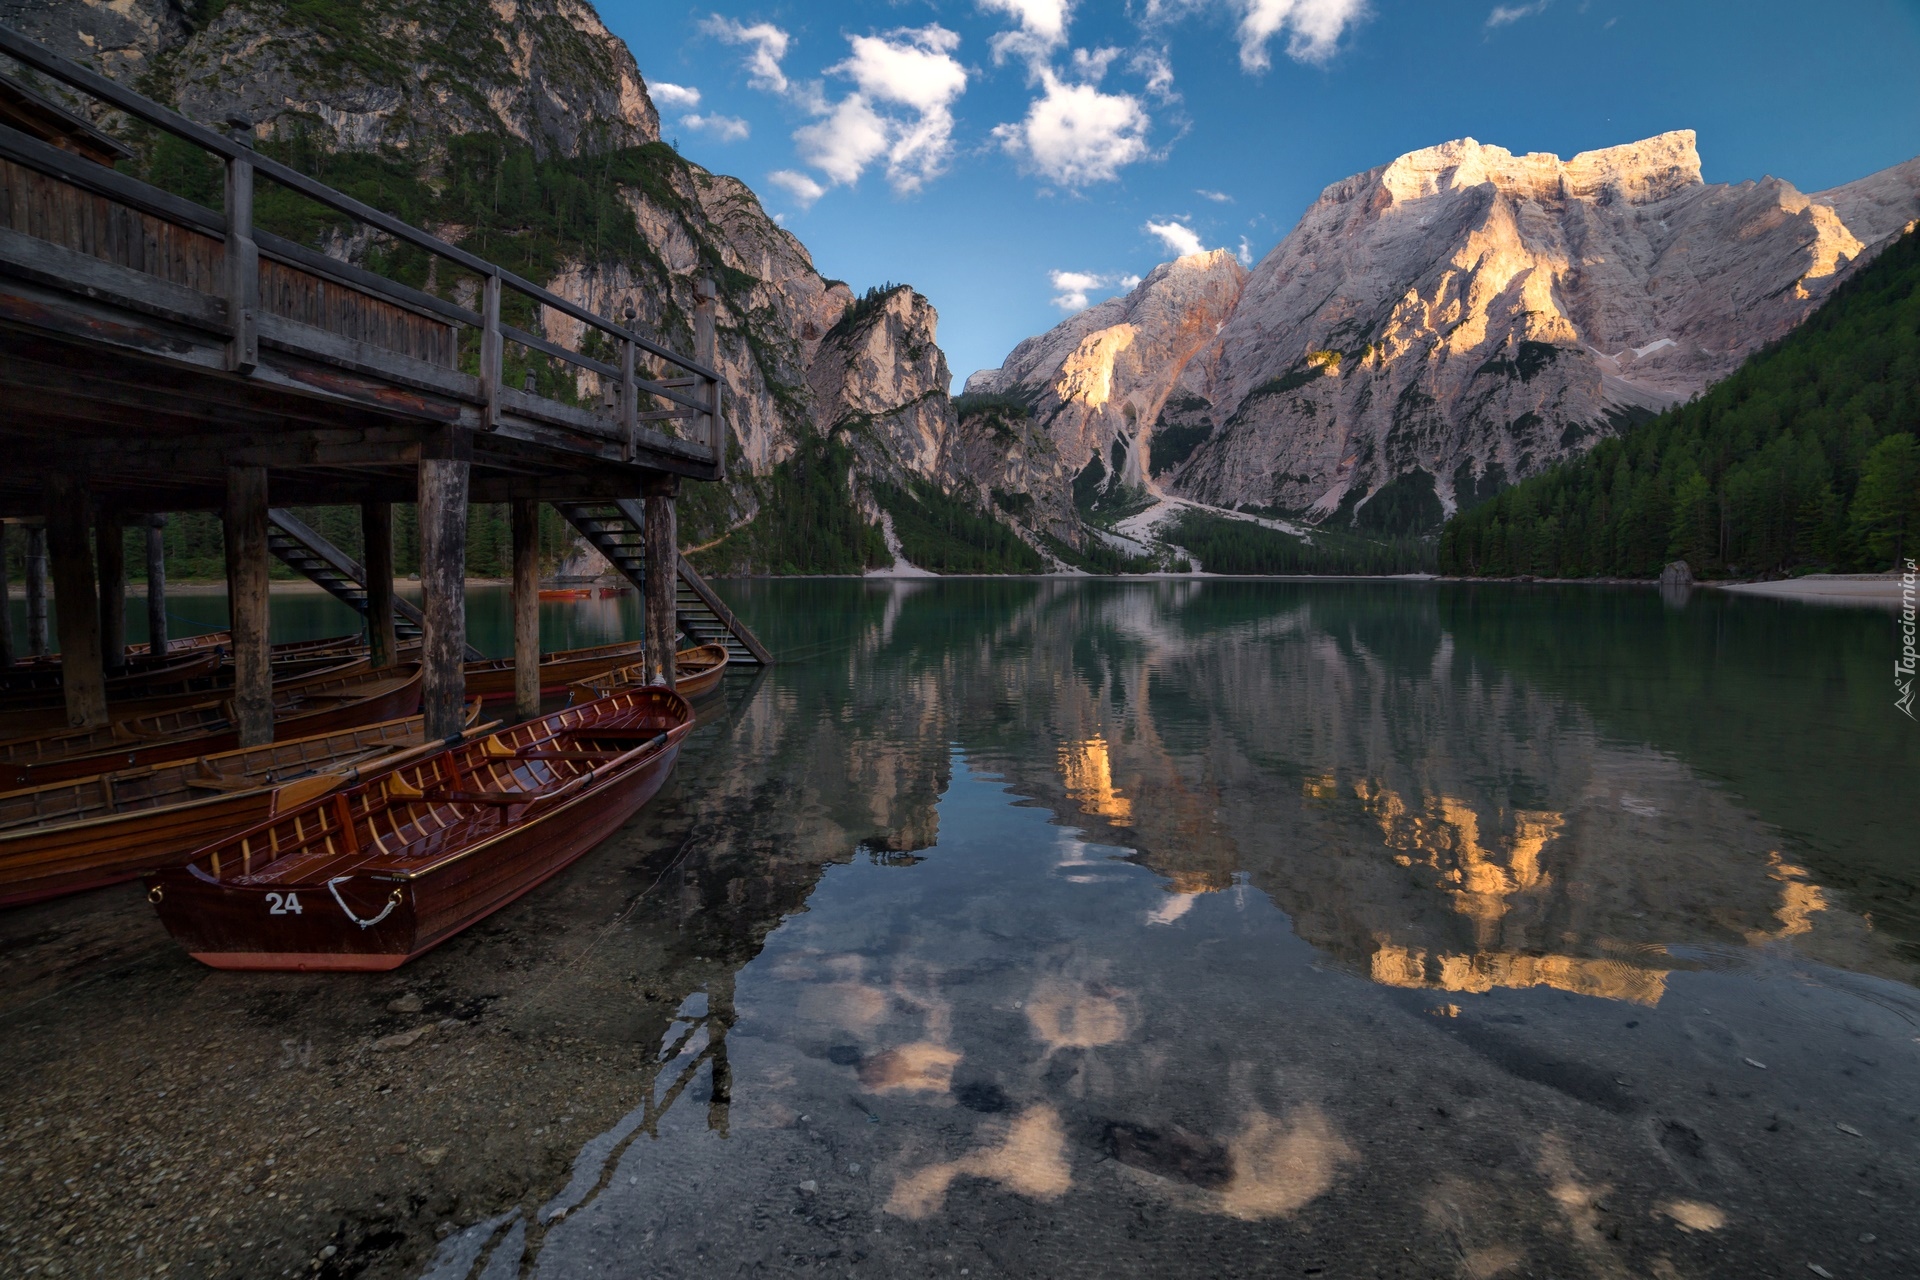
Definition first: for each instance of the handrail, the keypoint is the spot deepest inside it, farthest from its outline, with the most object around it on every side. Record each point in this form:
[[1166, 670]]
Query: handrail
[[243, 163]]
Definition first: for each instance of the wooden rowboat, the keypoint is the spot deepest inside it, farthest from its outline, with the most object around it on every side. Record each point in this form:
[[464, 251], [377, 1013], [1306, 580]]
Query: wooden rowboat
[[26, 687], [51, 717], [696, 673], [373, 875], [565, 593], [316, 704], [69, 836], [493, 677]]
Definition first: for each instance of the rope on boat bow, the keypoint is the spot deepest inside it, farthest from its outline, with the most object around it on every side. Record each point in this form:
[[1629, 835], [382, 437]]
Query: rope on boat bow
[[393, 900]]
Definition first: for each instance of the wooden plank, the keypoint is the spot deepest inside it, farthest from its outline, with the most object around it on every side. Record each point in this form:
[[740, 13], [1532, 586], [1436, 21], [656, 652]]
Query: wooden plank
[[110, 556], [526, 609], [7, 654], [37, 591], [376, 535], [157, 586], [245, 526], [120, 188], [662, 562], [443, 586], [82, 678], [70, 271], [299, 338]]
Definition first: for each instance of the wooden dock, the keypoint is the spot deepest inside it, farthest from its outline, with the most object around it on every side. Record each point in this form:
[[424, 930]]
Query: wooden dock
[[159, 356]]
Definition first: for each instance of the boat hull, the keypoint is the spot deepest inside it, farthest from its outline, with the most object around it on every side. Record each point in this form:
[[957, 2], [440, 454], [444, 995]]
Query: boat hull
[[221, 924], [399, 700], [493, 680]]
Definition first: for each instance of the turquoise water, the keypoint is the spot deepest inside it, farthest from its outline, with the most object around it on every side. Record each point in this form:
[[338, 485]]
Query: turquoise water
[[1014, 928]]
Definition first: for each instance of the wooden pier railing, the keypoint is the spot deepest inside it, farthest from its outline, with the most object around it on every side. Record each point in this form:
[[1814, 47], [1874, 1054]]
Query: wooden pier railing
[[210, 290]]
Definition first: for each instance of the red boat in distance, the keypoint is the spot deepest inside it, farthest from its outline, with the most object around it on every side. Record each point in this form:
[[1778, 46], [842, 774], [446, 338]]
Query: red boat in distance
[[566, 593], [371, 876]]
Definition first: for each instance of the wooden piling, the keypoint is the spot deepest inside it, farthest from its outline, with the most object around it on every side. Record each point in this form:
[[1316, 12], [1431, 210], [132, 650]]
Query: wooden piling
[[82, 677], [376, 536], [157, 586], [37, 591], [526, 608], [6, 600], [662, 549], [443, 584], [110, 557], [245, 527]]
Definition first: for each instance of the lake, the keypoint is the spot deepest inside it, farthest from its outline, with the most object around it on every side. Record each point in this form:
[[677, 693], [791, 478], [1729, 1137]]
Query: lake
[[1082, 928]]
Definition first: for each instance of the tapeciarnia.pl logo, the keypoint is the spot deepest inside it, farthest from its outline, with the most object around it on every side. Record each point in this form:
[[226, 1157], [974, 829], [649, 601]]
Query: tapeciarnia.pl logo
[[1903, 668]]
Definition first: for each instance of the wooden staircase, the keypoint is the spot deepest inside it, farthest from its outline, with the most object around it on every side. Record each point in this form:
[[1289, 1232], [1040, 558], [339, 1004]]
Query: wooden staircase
[[615, 531], [302, 549]]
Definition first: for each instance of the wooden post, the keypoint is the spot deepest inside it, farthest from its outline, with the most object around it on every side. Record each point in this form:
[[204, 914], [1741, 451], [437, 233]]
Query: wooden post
[[81, 675], [157, 586], [443, 583], [110, 554], [37, 591], [245, 527], [6, 601], [629, 393], [526, 608], [376, 535], [705, 350], [662, 551], [242, 258], [492, 348]]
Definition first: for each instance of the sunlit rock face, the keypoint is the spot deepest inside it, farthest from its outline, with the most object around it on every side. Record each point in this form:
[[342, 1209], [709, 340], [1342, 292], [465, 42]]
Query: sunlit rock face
[[1102, 376], [1477, 315], [1462, 312]]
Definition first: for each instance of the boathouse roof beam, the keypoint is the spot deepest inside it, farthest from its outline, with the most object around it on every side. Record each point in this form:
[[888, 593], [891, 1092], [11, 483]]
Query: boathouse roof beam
[[32, 54]]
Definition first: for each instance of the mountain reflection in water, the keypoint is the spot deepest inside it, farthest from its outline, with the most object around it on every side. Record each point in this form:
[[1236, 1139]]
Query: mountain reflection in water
[[1017, 928], [1110, 873]]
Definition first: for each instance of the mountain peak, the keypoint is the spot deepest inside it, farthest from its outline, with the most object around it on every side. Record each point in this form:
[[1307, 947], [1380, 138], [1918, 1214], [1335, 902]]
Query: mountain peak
[[1636, 172]]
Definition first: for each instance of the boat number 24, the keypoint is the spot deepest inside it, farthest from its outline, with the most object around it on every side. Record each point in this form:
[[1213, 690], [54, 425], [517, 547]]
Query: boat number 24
[[283, 904]]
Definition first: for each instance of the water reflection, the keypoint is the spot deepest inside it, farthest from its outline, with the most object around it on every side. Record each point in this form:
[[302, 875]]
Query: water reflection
[[1061, 929]]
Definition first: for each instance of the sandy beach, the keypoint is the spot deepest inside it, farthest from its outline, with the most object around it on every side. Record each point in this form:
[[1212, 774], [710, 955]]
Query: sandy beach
[[1882, 589]]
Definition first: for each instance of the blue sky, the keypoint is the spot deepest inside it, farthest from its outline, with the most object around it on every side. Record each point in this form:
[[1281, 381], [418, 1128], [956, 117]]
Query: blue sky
[[1013, 159]]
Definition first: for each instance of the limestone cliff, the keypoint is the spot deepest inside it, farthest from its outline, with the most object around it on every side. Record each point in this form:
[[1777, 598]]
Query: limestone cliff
[[540, 92], [1098, 380], [1463, 317]]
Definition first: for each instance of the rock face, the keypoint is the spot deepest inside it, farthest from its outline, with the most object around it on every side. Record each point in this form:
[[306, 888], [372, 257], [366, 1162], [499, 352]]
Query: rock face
[[880, 375], [1098, 380], [544, 72], [405, 84], [1464, 317]]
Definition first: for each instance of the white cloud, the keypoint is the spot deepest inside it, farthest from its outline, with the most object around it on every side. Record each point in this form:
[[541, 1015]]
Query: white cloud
[[1157, 67], [1074, 134], [1072, 287], [1042, 29], [1178, 237], [723, 128], [1245, 253], [911, 68], [1503, 14], [767, 44], [803, 189], [841, 146], [673, 97], [1218, 197], [1314, 28], [1090, 65]]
